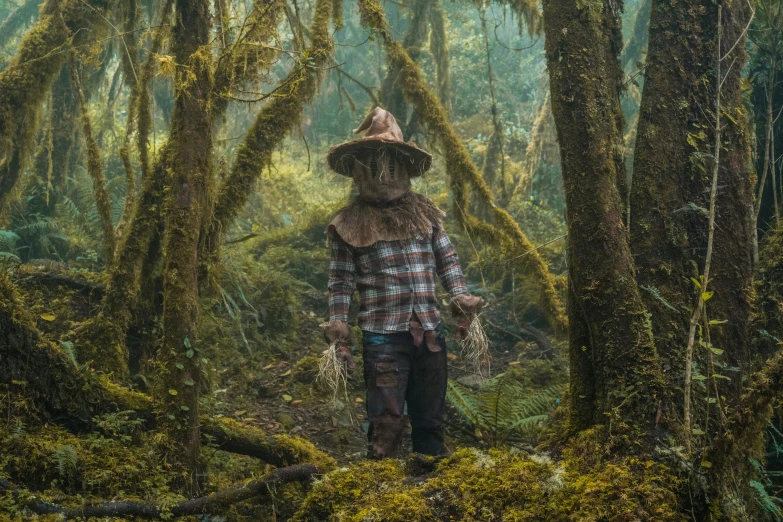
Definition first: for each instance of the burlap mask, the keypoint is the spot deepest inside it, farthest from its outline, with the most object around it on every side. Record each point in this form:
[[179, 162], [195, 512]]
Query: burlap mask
[[379, 176]]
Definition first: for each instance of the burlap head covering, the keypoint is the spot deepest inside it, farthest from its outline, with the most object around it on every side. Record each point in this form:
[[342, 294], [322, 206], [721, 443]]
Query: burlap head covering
[[382, 131]]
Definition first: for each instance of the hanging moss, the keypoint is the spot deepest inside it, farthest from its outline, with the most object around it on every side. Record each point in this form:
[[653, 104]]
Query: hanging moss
[[95, 170], [271, 126], [249, 57], [24, 84], [439, 47], [461, 169]]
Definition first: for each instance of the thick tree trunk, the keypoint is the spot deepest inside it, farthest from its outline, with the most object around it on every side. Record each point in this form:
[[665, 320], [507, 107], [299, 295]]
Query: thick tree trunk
[[186, 206], [670, 192], [613, 360]]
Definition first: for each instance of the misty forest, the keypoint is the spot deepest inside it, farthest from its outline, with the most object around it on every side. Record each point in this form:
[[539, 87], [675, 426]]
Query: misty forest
[[391, 260]]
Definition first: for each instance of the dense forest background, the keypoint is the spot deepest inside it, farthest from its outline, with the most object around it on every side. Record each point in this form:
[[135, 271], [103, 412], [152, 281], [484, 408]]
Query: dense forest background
[[611, 182]]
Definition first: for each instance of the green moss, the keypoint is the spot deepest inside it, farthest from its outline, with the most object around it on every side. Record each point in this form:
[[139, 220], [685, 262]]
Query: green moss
[[343, 491], [500, 485], [27, 79], [306, 369], [273, 122]]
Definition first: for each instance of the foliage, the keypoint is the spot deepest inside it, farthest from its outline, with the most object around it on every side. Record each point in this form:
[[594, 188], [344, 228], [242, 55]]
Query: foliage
[[502, 407]]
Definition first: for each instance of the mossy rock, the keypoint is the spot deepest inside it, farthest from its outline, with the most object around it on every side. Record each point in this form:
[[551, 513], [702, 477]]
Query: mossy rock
[[306, 369]]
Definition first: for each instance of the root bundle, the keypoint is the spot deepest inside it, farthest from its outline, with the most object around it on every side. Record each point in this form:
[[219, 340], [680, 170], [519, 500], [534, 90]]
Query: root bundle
[[332, 372], [475, 349]]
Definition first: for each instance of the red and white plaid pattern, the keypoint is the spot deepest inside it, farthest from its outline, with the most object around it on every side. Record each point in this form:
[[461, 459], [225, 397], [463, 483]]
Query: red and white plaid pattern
[[394, 279]]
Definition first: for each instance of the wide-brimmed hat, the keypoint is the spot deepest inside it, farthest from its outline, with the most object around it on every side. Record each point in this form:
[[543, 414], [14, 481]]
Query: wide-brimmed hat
[[382, 131]]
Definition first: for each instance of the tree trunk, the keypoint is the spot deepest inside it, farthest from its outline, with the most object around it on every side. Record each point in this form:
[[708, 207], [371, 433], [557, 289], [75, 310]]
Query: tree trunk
[[29, 76], [16, 19], [670, 192], [52, 160], [191, 163], [613, 360]]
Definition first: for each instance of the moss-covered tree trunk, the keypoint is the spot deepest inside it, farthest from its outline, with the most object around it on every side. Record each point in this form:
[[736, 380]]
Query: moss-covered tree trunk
[[190, 156], [53, 158], [615, 376], [672, 176], [270, 127], [24, 84]]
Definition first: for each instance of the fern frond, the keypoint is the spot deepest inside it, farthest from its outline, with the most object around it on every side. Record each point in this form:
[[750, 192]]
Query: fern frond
[[465, 402], [65, 460], [765, 500]]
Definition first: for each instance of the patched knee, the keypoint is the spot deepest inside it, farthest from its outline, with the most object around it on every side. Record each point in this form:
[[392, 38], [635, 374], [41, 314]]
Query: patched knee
[[387, 436]]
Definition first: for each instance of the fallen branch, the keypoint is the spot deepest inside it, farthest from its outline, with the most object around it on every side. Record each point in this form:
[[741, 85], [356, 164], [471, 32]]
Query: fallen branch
[[200, 505], [278, 450], [84, 287]]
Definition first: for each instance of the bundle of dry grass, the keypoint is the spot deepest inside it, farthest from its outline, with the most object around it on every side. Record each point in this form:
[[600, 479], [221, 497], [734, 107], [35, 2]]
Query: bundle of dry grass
[[475, 349], [332, 372]]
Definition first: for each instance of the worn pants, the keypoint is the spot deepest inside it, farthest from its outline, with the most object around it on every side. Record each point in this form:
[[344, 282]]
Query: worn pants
[[396, 372]]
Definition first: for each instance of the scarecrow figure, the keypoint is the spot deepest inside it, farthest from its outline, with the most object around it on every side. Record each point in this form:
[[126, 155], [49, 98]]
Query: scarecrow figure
[[390, 244]]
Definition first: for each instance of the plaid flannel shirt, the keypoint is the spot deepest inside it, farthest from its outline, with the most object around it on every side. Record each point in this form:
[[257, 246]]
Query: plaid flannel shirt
[[394, 279]]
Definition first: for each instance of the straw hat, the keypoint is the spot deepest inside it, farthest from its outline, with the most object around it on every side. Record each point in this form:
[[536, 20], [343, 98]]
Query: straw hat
[[382, 131]]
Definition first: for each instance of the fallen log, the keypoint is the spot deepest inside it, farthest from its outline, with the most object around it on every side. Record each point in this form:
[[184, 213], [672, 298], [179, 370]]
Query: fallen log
[[209, 504], [60, 391]]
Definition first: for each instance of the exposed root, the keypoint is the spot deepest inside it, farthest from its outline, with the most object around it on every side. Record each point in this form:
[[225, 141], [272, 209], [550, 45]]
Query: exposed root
[[475, 349], [332, 373]]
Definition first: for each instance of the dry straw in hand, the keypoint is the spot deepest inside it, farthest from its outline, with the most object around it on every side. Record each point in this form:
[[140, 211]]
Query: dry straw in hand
[[332, 372], [475, 348]]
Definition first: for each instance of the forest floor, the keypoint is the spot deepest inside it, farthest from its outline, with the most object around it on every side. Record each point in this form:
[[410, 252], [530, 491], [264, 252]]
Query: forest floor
[[279, 402], [273, 389]]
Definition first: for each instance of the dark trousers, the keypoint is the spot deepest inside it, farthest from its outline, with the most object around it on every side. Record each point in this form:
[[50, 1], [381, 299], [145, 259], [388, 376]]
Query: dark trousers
[[396, 372]]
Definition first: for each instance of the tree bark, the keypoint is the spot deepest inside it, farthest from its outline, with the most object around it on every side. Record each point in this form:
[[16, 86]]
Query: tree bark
[[613, 361], [670, 191], [186, 206], [29, 77]]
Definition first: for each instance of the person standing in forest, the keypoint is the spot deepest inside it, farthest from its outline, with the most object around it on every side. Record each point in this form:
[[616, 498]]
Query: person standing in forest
[[389, 242]]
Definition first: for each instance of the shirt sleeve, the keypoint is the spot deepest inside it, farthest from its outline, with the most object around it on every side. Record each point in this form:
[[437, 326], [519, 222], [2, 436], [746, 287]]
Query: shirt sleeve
[[342, 273], [447, 263]]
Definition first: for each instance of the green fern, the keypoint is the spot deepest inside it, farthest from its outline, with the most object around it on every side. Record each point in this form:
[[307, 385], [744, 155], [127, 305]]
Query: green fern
[[8, 240], [70, 350], [65, 460], [502, 407], [766, 502]]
